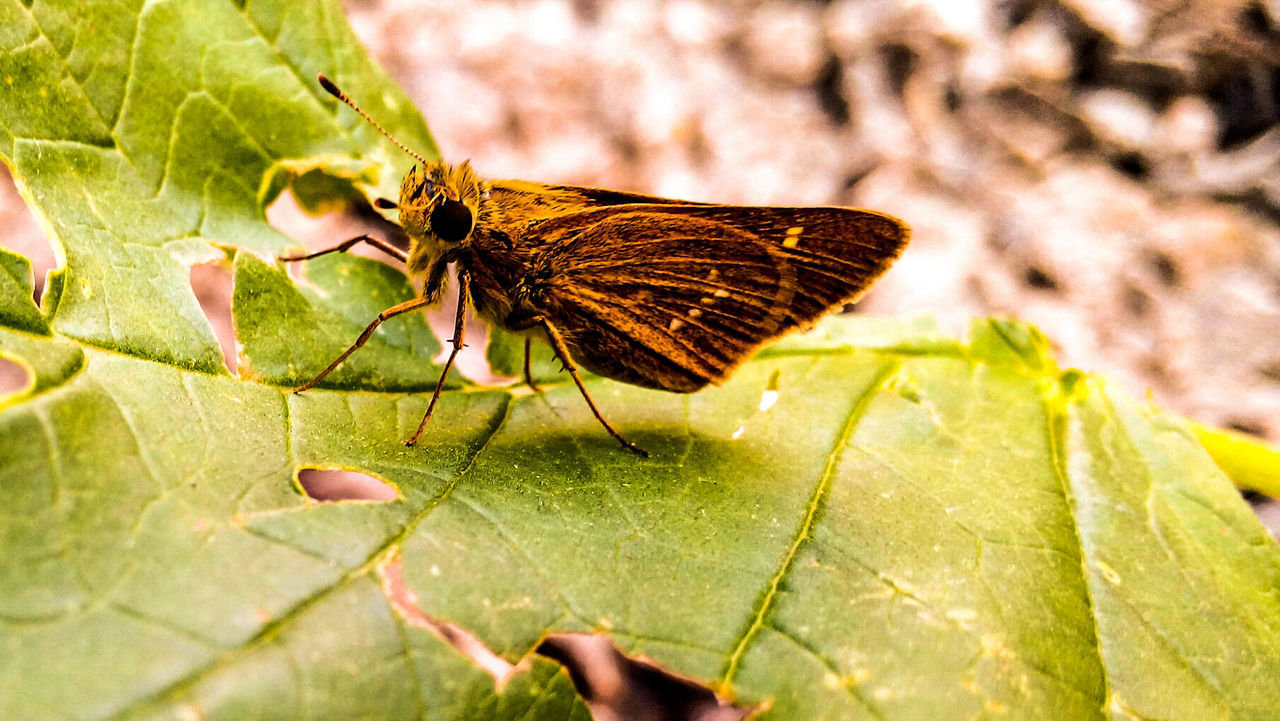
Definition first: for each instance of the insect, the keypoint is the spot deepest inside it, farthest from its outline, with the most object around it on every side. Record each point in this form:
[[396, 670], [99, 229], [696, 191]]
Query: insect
[[650, 291]]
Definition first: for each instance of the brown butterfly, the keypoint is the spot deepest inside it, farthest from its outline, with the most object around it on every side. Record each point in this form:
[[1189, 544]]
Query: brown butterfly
[[659, 293]]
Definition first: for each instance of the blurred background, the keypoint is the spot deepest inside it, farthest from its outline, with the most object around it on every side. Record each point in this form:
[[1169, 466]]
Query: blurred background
[[1106, 169]]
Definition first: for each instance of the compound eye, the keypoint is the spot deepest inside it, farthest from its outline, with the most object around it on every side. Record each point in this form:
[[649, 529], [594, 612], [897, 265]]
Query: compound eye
[[451, 221]]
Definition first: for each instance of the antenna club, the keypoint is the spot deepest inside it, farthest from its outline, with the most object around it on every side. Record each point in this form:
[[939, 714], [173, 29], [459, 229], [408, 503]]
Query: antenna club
[[333, 90], [328, 86]]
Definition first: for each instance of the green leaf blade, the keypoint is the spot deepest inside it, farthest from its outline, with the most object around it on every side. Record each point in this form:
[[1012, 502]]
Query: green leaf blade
[[1158, 520], [871, 521]]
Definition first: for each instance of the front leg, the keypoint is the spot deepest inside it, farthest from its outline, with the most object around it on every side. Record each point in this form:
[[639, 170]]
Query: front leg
[[436, 273]]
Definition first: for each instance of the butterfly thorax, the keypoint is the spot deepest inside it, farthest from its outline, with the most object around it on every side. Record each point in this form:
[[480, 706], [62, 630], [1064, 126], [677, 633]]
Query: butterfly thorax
[[451, 216], [502, 256], [509, 259]]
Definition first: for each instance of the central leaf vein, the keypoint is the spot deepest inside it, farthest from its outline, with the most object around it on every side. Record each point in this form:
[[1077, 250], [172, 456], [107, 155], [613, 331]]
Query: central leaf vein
[[816, 499]]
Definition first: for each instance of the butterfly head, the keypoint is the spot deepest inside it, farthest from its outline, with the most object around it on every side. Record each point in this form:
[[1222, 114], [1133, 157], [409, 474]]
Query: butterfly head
[[439, 203]]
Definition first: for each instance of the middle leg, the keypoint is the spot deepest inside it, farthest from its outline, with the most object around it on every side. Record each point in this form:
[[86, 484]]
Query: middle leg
[[393, 311], [459, 334], [562, 352]]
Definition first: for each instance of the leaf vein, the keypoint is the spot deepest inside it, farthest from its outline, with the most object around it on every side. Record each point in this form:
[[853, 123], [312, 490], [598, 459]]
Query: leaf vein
[[270, 631], [1055, 421], [829, 667], [806, 524]]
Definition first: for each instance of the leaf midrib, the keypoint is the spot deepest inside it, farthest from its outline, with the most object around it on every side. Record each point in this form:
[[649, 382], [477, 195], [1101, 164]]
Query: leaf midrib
[[1056, 420], [770, 592]]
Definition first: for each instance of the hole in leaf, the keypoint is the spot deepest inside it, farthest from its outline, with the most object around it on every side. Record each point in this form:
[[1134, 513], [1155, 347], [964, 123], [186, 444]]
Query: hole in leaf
[[405, 602], [211, 284], [21, 233], [615, 686], [330, 486], [13, 377], [618, 687]]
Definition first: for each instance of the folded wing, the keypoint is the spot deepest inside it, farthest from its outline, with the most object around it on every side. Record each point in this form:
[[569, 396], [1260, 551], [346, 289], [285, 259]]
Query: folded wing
[[676, 296]]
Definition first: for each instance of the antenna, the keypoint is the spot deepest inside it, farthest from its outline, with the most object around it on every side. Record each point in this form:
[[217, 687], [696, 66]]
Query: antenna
[[333, 90]]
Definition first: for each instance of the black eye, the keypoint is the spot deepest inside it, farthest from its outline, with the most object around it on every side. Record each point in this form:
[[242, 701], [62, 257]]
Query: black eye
[[451, 221]]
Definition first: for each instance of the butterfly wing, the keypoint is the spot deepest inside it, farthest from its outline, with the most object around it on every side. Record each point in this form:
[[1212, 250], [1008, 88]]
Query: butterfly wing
[[527, 199], [677, 296]]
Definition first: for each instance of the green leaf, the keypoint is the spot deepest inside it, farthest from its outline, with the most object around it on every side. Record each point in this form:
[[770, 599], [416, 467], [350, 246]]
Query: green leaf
[[505, 353], [288, 332], [47, 363], [1249, 462], [17, 308], [870, 521], [143, 133]]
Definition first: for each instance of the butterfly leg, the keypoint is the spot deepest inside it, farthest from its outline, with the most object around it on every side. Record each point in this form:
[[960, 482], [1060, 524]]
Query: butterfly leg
[[393, 311], [528, 374], [459, 334], [562, 352], [346, 245]]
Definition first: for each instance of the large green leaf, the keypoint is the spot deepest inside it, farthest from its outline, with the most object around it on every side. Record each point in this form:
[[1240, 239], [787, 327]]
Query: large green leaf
[[870, 521]]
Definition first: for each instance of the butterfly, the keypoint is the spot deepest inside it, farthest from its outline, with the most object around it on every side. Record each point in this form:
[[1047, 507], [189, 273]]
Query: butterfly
[[655, 292]]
